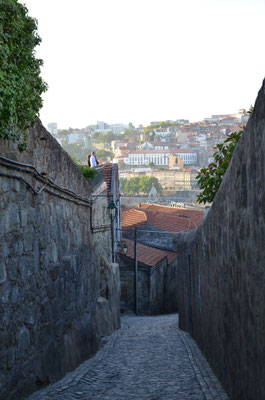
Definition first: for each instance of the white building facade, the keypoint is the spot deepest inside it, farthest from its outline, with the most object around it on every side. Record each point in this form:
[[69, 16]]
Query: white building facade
[[160, 157]]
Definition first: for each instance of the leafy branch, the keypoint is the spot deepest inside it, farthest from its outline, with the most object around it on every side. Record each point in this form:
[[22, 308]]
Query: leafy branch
[[20, 83], [210, 178]]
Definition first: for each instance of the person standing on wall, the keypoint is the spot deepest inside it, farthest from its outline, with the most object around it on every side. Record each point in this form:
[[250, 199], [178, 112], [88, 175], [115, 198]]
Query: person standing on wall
[[89, 160], [93, 160]]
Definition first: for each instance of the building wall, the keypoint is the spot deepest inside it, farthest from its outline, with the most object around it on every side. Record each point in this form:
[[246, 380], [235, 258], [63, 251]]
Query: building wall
[[169, 179], [51, 275], [221, 281], [127, 286], [157, 292]]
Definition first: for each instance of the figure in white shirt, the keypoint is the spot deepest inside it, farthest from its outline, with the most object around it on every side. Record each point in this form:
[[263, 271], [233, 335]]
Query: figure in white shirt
[[93, 160], [152, 198]]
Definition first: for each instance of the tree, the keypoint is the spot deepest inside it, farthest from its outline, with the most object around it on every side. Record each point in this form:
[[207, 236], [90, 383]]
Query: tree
[[20, 83], [122, 183], [104, 154], [137, 185], [131, 126], [210, 178], [146, 184], [132, 185], [77, 151]]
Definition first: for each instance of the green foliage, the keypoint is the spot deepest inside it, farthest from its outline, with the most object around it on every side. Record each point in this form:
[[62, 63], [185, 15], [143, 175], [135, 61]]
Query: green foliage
[[76, 151], [210, 178], [128, 132], [138, 185], [20, 83], [89, 173], [104, 154], [151, 164], [146, 184], [106, 137], [162, 124]]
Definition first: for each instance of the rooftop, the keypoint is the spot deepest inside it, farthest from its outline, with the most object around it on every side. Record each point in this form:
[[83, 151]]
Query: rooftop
[[147, 255], [168, 219]]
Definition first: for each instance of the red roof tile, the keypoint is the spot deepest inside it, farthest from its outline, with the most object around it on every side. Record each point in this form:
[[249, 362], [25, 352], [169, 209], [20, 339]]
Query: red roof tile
[[168, 219], [133, 217], [146, 254]]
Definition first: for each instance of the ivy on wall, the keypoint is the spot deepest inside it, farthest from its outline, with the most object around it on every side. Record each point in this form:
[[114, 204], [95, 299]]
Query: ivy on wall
[[21, 85]]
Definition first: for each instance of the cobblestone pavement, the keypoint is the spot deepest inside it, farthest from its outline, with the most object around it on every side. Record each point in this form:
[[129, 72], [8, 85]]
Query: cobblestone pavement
[[149, 358]]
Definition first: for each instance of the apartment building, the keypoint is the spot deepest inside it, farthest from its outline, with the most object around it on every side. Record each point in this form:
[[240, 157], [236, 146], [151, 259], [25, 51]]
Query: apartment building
[[160, 157]]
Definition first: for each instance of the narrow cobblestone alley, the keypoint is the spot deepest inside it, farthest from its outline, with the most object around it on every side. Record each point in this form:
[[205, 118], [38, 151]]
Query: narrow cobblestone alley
[[148, 358]]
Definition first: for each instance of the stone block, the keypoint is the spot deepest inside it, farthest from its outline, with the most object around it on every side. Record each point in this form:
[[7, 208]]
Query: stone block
[[46, 332], [51, 291], [28, 239], [23, 342], [3, 359], [15, 295], [12, 218], [23, 217], [29, 315], [4, 250], [80, 341], [3, 275], [4, 340], [4, 292], [59, 288], [104, 317], [12, 269], [10, 358], [53, 251], [16, 185], [17, 245], [2, 223], [5, 184], [45, 311], [24, 267]]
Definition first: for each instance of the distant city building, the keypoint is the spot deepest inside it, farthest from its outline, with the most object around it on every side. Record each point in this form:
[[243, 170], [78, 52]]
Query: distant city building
[[160, 157], [170, 179], [52, 128], [100, 125], [114, 128], [182, 121]]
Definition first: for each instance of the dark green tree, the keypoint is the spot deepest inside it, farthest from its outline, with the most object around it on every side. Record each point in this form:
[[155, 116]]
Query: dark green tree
[[146, 184], [104, 154], [20, 83]]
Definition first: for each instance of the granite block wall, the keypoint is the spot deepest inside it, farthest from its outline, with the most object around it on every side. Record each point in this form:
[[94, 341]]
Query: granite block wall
[[51, 265], [157, 292], [221, 274]]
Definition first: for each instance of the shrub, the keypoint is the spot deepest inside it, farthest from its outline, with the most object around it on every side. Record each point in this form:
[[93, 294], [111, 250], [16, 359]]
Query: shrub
[[210, 178]]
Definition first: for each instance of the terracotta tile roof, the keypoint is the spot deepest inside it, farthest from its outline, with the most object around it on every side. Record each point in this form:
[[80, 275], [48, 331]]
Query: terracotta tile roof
[[146, 254], [133, 217], [169, 219], [195, 215]]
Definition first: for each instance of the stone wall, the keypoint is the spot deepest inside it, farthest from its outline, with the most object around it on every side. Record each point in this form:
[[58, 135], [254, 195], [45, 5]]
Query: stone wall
[[151, 236], [53, 270], [221, 282], [156, 286]]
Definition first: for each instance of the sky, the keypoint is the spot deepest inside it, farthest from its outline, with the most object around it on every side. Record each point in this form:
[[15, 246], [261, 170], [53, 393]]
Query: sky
[[138, 61]]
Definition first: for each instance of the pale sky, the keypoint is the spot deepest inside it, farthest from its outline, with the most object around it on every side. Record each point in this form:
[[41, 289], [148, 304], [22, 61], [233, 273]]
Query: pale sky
[[148, 60]]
